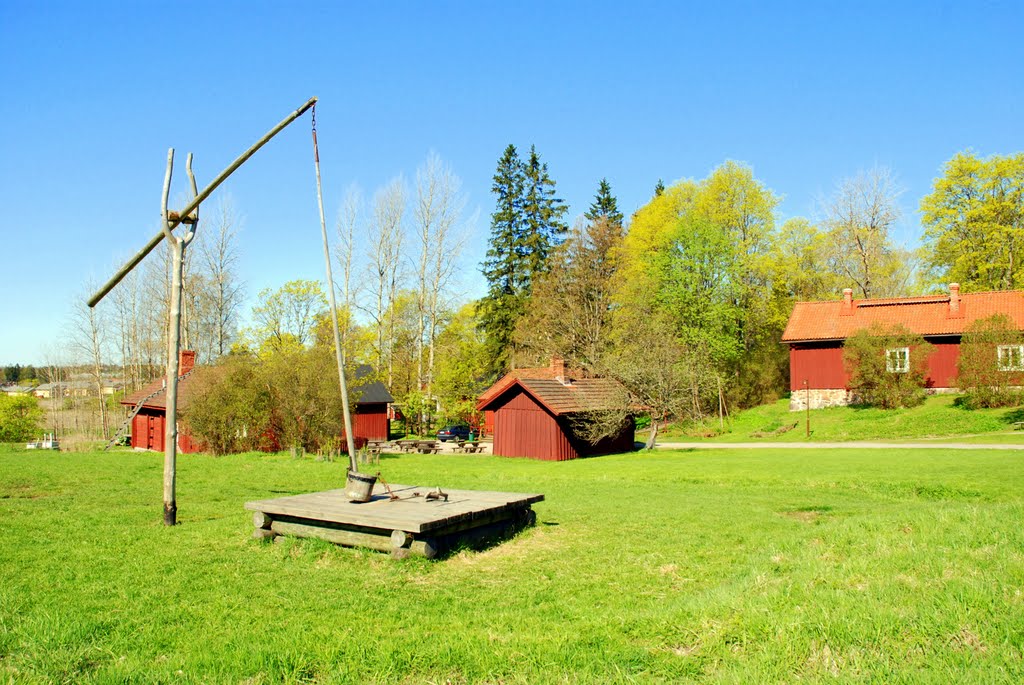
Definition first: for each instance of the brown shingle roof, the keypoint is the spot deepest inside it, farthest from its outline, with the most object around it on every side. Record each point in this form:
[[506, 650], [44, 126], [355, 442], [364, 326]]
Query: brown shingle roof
[[929, 315], [583, 394]]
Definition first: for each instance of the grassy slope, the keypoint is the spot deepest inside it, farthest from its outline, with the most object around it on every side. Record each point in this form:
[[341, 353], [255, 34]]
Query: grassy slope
[[938, 417], [745, 566]]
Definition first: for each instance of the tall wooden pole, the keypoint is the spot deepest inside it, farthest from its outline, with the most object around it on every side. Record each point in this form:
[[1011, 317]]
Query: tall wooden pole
[[178, 246], [339, 352]]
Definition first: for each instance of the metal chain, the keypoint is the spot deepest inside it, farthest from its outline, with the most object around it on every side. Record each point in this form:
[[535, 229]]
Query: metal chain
[[314, 118]]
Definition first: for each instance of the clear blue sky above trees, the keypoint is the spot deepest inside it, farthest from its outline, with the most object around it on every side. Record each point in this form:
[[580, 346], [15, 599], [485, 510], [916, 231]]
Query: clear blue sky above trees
[[807, 93]]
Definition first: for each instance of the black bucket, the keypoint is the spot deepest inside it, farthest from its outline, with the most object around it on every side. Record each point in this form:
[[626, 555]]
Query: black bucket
[[359, 486]]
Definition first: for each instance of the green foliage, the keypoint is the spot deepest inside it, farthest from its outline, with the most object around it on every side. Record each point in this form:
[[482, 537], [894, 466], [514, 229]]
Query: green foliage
[[771, 566], [460, 373], [230, 407], [20, 417], [604, 206], [287, 318], [974, 222], [525, 226], [704, 256], [887, 367], [991, 367]]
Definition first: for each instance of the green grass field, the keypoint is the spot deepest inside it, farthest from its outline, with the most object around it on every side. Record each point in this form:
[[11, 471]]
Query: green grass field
[[938, 417], [739, 566]]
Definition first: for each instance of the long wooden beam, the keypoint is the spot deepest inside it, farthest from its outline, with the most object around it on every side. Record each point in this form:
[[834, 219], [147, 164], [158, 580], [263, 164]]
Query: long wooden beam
[[155, 240]]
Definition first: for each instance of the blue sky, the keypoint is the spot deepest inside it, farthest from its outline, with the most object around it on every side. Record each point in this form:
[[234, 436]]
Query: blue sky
[[806, 93]]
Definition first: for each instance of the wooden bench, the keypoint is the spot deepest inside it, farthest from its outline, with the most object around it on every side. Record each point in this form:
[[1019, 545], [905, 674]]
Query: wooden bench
[[1018, 425]]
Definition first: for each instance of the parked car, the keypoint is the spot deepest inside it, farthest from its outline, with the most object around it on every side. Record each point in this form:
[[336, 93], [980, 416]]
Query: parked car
[[453, 433]]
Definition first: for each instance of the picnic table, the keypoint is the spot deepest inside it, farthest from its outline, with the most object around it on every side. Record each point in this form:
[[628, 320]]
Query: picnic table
[[467, 446], [427, 447]]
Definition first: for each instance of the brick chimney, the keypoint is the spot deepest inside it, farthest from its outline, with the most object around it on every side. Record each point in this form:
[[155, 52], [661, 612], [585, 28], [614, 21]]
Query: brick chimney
[[847, 309], [558, 369], [186, 361], [954, 301]]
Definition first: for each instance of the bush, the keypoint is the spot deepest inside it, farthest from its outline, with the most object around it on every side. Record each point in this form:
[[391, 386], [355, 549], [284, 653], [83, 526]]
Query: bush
[[990, 366], [19, 417], [887, 367]]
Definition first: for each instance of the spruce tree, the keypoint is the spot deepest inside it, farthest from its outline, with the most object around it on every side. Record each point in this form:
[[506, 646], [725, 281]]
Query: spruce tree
[[659, 189], [502, 306], [525, 226], [604, 205], [542, 217]]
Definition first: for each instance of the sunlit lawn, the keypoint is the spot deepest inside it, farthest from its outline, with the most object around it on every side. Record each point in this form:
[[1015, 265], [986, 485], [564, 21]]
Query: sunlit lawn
[[939, 417], [728, 566]]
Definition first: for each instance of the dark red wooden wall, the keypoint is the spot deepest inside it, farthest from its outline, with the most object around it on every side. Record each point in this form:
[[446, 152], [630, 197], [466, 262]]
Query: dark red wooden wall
[[148, 428], [523, 428], [821, 364], [371, 422]]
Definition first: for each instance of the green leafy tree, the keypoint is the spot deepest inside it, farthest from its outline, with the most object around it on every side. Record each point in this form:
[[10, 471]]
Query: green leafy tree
[[461, 367], [286, 318], [887, 366], [991, 364], [231, 405], [974, 223], [20, 417]]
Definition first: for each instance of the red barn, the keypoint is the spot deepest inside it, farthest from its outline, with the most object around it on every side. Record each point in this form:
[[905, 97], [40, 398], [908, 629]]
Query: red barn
[[369, 417], [532, 411], [817, 330]]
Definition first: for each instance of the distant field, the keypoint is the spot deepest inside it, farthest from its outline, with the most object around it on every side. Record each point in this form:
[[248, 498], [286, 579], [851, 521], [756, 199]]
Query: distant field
[[763, 566], [938, 417]]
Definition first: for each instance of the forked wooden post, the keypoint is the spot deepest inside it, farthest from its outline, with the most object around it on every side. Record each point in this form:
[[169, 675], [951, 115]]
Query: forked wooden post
[[178, 246], [168, 222]]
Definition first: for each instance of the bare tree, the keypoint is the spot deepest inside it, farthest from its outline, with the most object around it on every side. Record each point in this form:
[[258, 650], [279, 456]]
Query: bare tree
[[222, 291], [349, 220], [437, 210], [385, 234], [859, 218], [88, 340]]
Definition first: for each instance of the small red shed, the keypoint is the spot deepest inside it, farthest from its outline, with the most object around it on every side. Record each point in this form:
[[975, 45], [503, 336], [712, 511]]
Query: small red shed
[[532, 411], [817, 330]]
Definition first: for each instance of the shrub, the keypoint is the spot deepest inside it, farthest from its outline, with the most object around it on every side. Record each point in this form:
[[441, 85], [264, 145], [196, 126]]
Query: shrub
[[991, 364], [19, 417], [887, 367]]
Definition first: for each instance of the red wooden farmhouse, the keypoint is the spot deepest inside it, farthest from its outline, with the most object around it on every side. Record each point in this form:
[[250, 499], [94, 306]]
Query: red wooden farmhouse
[[816, 332], [369, 419], [530, 413]]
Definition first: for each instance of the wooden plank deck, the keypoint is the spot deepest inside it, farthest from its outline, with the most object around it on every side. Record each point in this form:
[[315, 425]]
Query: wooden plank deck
[[383, 523]]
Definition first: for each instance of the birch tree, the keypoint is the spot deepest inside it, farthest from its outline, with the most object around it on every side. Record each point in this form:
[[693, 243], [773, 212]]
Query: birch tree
[[384, 254], [437, 210], [350, 220], [222, 291], [859, 218]]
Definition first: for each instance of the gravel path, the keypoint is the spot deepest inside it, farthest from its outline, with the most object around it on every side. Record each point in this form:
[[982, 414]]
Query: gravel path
[[837, 445]]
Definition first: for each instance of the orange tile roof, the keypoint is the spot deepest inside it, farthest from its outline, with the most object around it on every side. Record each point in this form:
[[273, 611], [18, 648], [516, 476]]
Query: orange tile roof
[[928, 315]]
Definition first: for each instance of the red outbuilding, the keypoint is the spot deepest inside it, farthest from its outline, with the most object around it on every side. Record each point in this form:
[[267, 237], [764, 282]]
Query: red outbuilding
[[817, 330], [532, 412], [369, 418]]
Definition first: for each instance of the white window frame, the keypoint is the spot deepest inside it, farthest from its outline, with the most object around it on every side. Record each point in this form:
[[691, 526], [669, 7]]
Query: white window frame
[[1010, 357], [897, 360]]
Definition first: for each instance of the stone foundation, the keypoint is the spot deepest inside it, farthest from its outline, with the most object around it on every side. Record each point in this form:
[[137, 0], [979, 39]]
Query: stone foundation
[[819, 399], [831, 397]]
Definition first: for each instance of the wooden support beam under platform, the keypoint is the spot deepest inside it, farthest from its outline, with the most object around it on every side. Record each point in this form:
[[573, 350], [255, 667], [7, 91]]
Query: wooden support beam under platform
[[405, 523]]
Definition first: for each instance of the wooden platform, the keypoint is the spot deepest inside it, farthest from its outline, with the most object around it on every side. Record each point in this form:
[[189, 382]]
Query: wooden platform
[[411, 524]]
